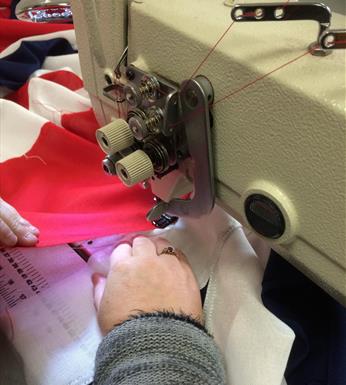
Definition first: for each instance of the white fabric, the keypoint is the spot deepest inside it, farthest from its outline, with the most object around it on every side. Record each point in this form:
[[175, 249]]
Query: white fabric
[[255, 343], [17, 137], [67, 62], [59, 63], [51, 100], [48, 101]]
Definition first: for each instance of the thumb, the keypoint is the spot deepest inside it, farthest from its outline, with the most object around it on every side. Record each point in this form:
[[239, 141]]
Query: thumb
[[99, 282]]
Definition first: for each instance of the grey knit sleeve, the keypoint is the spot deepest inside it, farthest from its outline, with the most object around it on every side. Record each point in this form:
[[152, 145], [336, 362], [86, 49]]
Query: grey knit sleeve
[[159, 348]]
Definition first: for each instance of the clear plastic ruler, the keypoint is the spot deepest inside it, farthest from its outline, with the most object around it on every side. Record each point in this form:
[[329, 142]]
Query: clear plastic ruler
[[19, 279]]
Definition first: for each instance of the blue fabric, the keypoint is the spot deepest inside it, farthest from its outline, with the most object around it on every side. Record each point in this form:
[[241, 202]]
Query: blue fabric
[[318, 356], [15, 69], [13, 8]]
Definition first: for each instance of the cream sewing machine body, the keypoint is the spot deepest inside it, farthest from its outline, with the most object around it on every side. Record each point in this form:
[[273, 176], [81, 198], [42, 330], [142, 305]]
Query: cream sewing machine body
[[278, 140]]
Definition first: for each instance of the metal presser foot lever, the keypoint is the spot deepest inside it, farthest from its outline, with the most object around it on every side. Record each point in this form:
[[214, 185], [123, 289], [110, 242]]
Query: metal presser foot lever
[[196, 98]]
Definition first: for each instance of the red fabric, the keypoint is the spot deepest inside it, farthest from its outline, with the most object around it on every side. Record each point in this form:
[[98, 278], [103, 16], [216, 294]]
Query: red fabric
[[61, 188], [64, 78], [20, 96], [83, 124], [5, 13], [5, 9], [12, 30]]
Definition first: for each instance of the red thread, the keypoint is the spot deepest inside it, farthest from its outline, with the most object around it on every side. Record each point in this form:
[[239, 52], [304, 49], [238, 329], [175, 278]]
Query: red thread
[[262, 77], [27, 157], [212, 50], [200, 110], [205, 59]]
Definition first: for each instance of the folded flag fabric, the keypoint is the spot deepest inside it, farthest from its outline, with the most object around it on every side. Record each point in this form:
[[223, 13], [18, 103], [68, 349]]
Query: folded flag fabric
[[12, 30], [50, 164], [16, 68], [5, 9]]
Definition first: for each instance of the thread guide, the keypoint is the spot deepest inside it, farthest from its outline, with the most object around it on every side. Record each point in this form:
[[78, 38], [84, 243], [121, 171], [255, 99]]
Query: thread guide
[[327, 39]]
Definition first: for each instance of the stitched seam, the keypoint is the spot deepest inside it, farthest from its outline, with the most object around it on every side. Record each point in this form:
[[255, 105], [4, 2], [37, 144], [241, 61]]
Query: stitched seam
[[211, 292]]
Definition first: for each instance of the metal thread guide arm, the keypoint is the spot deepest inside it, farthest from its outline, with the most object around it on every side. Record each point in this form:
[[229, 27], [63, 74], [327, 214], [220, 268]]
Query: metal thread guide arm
[[196, 97], [327, 39]]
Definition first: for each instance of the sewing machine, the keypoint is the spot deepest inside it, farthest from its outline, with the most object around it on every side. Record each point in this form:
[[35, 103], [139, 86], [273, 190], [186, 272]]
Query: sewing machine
[[242, 104], [257, 123]]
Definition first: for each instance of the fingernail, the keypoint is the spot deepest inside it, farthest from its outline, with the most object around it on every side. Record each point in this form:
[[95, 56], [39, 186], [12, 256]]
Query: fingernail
[[10, 240], [30, 238], [95, 278], [34, 230], [140, 238]]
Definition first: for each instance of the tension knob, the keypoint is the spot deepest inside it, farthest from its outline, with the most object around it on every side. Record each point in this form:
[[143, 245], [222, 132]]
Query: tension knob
[[135, 168], [115, 136]]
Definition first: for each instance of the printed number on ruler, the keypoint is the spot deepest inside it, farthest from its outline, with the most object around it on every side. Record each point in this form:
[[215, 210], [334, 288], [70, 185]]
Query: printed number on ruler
[[18, 278]]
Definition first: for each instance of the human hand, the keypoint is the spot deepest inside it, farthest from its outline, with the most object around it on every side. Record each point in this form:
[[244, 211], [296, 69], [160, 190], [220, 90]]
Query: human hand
[[141, 280], [15, 230]]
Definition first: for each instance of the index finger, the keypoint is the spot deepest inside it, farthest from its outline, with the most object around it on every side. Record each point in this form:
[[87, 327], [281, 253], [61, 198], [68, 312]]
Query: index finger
[[121, 252], [143, 247]]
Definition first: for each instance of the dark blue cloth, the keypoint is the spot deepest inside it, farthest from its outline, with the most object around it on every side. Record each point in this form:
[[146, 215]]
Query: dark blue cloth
[[15, 69], [318, 356], [13, 8]]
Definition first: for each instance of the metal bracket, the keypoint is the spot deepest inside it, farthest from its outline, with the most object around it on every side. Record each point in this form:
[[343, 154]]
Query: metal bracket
[[114, 92], [333, 39], [196, 97], [284, 11], [122, 60]]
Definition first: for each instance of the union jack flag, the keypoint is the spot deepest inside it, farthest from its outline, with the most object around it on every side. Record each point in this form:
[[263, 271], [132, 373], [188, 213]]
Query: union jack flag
[[50, 164]]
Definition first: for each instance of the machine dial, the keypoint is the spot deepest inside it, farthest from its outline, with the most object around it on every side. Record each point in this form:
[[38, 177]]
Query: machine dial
[[115, 136], [135, 168], [265, 216]]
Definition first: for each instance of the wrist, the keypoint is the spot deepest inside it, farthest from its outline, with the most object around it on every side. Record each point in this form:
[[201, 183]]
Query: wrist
[[166, 314]]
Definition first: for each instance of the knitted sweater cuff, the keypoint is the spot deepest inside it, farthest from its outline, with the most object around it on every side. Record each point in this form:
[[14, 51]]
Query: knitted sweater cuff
[[159, 348]]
